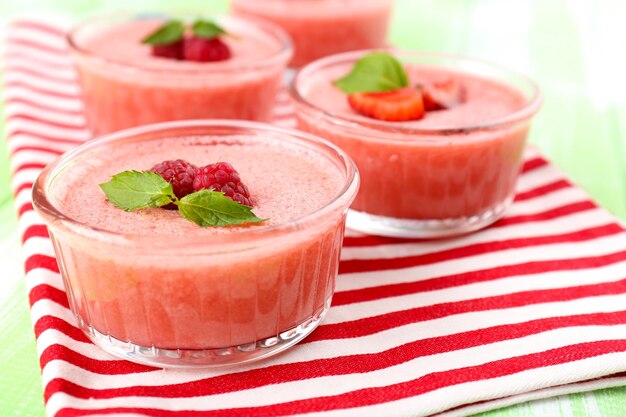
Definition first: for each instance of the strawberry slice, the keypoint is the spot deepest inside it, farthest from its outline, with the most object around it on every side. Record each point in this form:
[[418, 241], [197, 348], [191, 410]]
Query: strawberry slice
[[392, 106], [443, 94]]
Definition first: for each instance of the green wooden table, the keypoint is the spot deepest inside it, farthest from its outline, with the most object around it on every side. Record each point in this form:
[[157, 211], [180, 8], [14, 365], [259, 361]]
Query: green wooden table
[[573, 48]]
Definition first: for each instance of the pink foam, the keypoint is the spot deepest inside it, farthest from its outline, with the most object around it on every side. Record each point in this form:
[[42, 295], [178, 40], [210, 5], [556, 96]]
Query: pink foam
[[486, 100], [122, 43], [286, 182]]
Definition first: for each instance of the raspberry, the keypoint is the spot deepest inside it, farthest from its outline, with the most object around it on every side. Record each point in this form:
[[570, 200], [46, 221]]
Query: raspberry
[[206, 50], [221, 176], [171, 50], [179, 173]]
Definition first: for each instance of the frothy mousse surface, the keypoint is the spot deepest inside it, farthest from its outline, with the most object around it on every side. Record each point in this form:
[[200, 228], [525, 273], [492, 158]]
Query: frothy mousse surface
[[121, 43], [286, 181], [485, 100]]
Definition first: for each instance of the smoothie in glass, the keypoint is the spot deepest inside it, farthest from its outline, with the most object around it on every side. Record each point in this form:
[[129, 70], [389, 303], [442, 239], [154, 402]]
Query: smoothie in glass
[[451, 172], [124, 85], [155, 288], [324, 27]]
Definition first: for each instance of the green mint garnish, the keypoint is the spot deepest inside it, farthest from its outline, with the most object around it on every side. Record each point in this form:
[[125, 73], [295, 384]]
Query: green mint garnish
[[206, 29], [135, 190], [213, 208], [375, 72], [170, 32]]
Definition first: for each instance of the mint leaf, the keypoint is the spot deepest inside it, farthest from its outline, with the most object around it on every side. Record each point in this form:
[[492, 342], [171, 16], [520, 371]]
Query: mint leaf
[[213, 208], [134, 190], [206, 29], [375, 72], [170, 32]]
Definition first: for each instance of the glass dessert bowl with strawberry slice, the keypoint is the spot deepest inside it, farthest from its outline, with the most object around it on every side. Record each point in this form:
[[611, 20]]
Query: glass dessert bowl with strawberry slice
[[438, 139], [321, 28], [141, 69], [198, 243]]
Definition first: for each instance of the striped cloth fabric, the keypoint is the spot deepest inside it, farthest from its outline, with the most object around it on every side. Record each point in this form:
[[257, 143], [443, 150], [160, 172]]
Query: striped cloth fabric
[[532, 307]]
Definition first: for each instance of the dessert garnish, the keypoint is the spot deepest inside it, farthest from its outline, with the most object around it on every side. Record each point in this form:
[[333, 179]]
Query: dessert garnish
[[378, 87], [206, 29], [222, 177], [167, 40], [180, 174], [442, 94], [375, 72], [173, 50], [392, 106], [202, 45], [206, 50], [215, 198], [205, 45]]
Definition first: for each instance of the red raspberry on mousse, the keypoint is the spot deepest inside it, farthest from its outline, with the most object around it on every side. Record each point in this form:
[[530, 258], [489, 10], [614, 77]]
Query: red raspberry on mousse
[[180, 174], [222, 177], [171, 50], [199, 42], [205, 50]]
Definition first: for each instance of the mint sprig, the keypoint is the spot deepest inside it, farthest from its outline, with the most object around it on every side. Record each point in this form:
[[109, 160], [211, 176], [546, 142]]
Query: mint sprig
[[170, 32], [206, 29], [213, 208], [375, 72], [174, 30], [135, 190]]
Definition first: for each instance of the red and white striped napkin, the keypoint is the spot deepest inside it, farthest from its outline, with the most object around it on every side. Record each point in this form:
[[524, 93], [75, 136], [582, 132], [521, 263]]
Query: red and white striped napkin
[[532, 307]]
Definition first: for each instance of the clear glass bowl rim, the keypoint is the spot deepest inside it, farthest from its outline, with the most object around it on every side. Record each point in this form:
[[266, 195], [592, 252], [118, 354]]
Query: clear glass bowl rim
[[56, 220], [282, 56], [356, 124]]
